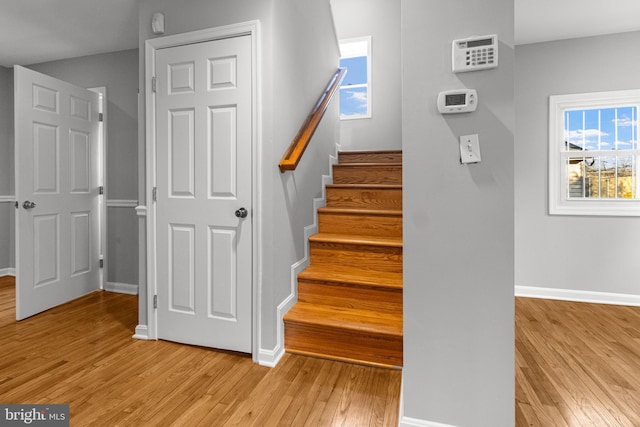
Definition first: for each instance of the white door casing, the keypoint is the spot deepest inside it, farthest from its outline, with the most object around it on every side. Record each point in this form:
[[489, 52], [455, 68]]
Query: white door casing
[[203, 176], [57, 169]]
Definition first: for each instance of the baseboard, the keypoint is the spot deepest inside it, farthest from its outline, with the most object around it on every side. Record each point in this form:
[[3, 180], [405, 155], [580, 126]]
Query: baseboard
[[404, 421], [578, 296], [272, 357], [121, 288], [7, 272], [413, 422], [142, 333]]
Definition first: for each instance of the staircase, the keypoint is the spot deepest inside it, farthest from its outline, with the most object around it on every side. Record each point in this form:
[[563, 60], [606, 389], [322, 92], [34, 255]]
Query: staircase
[[350, 297]]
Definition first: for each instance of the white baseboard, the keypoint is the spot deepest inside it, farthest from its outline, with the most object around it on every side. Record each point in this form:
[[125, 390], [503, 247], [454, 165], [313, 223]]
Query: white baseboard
[[142, 332], [121, 288], [578, 296], [413, 422], [7, 272], [272, 357]]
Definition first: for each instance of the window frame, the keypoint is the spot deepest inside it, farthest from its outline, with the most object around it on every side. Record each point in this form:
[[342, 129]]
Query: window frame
[[368, 85], [559, 203]]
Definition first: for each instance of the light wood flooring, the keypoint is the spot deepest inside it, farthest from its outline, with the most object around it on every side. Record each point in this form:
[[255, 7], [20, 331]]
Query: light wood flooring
[[82, 354], [576, 365]]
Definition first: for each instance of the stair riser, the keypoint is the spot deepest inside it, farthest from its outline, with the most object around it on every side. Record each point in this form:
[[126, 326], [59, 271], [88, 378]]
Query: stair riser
[[349, 296], [364, 198], [375, 174], [370, 157], [361, 224], [340, 343], [357, 256]]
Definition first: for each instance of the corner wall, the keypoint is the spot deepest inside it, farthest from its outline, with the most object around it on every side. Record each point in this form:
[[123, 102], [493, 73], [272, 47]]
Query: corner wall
[[559, 255], [458, 223], [379, 19]]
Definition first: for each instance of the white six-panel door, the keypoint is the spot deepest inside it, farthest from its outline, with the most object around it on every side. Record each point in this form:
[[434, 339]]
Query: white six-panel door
[[203, 176], [56, 152]]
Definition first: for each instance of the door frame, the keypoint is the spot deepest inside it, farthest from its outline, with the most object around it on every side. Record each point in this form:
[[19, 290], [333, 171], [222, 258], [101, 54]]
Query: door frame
[[252, 29]]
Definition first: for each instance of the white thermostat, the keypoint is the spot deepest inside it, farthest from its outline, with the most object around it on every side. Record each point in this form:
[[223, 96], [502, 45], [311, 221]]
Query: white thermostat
[[457, 101], [474, 53]]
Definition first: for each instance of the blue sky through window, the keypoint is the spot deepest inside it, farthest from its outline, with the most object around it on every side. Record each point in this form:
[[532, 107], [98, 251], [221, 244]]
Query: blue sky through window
[[355, 90], [602, 129]]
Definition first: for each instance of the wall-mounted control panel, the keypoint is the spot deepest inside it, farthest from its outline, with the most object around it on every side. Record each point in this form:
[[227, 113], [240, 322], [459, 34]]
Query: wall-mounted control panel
[[474, 53], [457, 101]]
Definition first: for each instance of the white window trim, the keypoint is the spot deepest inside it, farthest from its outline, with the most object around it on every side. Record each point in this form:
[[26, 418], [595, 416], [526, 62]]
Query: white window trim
[[558, 202], [369, 67]]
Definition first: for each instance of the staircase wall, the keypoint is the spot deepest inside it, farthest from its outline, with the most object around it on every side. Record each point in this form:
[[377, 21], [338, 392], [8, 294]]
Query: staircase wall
[[379, 19]]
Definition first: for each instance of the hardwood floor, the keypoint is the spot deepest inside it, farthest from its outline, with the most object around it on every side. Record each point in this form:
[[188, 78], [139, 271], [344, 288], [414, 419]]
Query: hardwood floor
[[577, 364], [82, 353]]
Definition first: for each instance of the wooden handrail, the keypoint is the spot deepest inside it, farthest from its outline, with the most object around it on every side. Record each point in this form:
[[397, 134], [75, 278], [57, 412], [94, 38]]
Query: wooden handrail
[[292, 156]]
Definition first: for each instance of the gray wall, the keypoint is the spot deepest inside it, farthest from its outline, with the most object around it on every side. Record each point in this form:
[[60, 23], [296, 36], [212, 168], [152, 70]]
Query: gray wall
[[379, 19], [577, 253], [118, 71], [299, 55], [7, 256], [458, 222]]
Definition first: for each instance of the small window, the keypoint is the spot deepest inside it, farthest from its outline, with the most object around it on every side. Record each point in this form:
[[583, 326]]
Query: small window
[[355, 91], [594, 154]]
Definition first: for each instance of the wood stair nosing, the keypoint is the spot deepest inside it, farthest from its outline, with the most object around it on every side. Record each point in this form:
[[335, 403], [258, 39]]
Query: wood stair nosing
[[352, 277], [356, 240]]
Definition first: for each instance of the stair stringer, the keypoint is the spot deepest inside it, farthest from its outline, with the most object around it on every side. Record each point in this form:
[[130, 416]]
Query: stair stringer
[[270, 358]]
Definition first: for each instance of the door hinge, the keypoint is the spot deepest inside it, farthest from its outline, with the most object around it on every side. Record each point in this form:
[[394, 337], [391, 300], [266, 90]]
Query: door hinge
[[155, 301], [101, 189], [154, 194], [101, 263], [154, 83], [100, 117]]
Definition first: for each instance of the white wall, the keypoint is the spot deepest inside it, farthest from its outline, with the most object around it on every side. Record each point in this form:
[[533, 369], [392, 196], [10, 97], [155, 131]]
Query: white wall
[[299, 54], [576, 253], [118, 71], [379, 19], [458, 223]]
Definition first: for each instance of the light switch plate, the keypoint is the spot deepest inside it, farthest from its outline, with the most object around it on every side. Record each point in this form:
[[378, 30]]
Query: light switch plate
[[469, 149]]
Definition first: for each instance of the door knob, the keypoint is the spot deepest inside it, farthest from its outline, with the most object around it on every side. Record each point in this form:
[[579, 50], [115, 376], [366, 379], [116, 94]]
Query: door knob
[[241, 213], [28, 205]]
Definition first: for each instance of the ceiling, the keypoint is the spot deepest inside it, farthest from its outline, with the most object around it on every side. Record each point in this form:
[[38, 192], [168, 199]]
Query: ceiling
[[34, 31], [545, 20]]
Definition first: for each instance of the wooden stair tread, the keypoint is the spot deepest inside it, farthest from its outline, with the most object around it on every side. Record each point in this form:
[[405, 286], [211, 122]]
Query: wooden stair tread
[[351, 276], [366, 165], [395, 242], [367, 186], [363, 321], [354, 211]]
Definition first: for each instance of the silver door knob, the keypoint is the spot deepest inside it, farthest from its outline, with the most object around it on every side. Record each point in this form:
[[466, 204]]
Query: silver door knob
[[242, 213], [28, 205]]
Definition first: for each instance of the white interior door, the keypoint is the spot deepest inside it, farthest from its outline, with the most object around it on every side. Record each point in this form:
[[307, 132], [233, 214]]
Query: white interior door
[[57, 228], [203, 176]]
